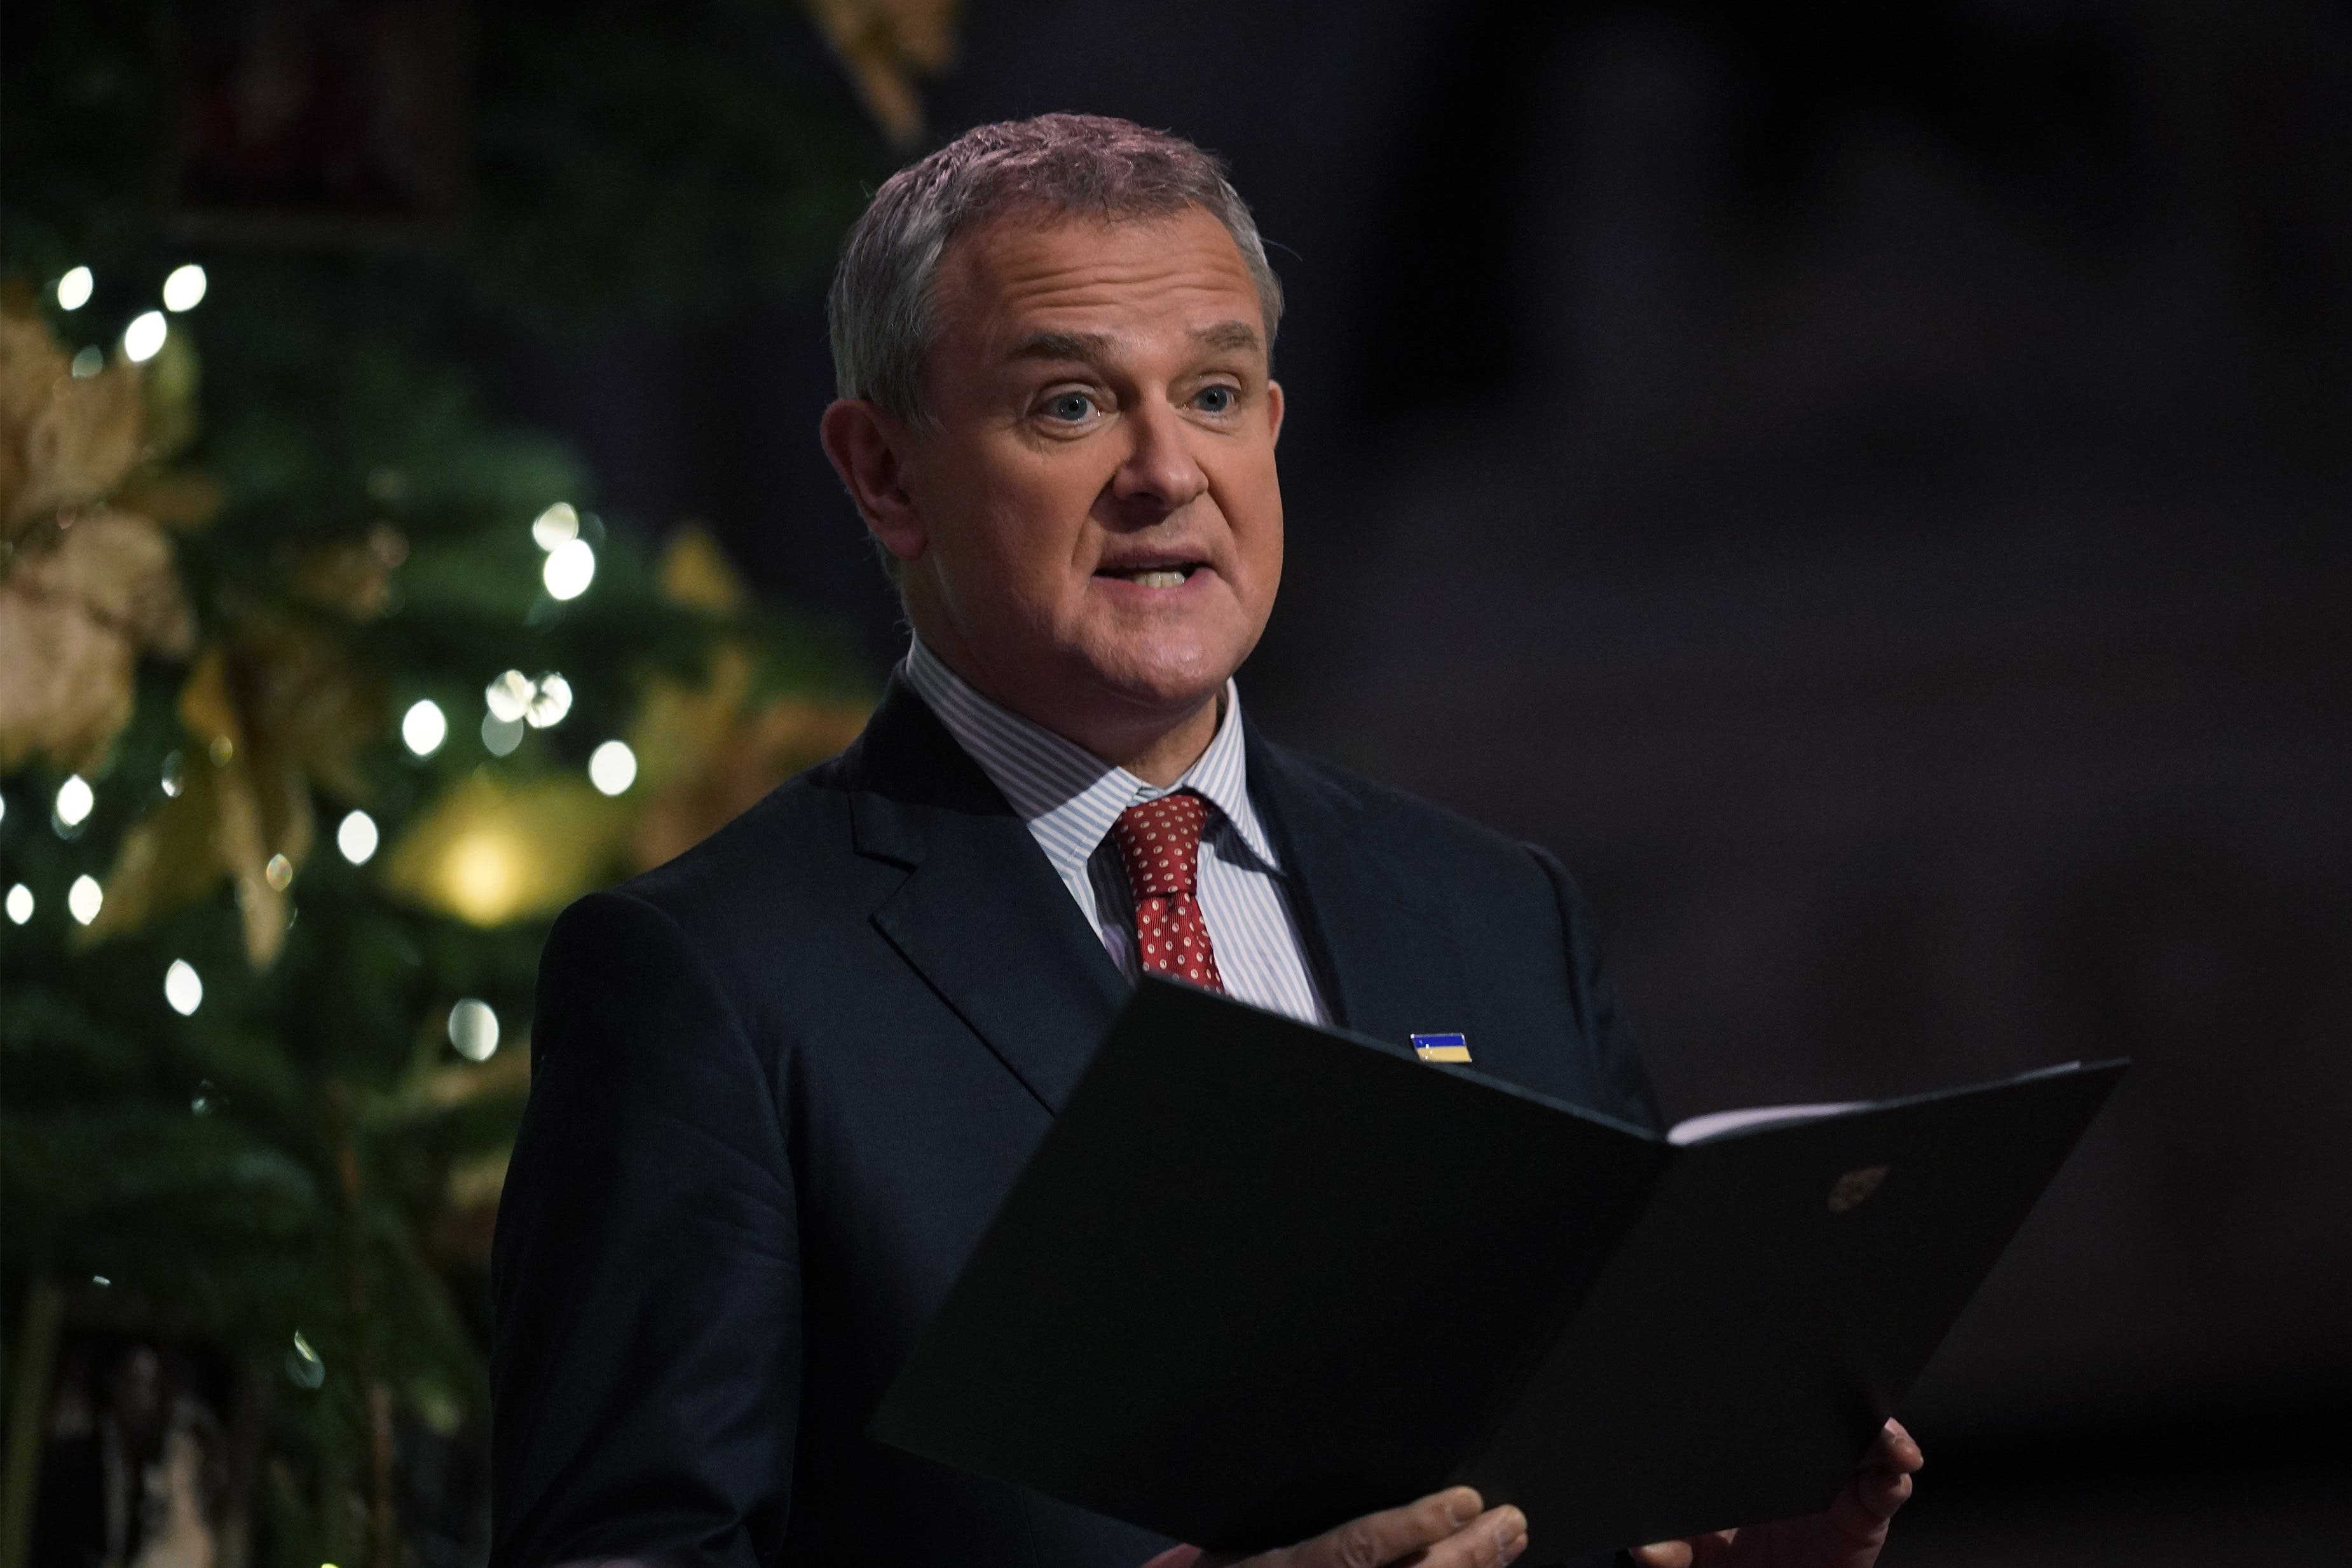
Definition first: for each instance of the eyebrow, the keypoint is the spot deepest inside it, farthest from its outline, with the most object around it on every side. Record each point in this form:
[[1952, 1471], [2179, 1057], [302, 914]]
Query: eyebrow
[[1228, 337], [1084, 346], [1232, 337]]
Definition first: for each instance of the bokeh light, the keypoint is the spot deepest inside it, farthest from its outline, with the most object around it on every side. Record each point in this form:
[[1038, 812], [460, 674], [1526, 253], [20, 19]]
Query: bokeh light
[[75, 798], [612, 767], [423, 727], [75, 289], [143, 338], [185, 289], [304, 1366], [357, 838], [183, 988], [474, 1030], [571, 566], [551, 699], [20, 904], [501, 735], [508, 696], [559, 525], [84, 898]]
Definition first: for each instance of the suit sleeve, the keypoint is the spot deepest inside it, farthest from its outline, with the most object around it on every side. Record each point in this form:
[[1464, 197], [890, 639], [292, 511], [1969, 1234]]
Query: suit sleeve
[[1624, 1082], [647, 1359]]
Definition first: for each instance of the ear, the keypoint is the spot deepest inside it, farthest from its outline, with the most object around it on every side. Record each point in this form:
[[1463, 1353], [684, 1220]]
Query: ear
[[1272, 413], [867, 444]]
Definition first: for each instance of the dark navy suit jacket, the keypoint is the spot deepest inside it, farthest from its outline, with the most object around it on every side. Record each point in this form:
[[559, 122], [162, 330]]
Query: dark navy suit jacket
[[781, 1083]]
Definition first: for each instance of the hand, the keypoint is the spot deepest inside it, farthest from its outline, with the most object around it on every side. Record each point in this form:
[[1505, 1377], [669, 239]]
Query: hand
[[1846, 1534], [1444, 1530]]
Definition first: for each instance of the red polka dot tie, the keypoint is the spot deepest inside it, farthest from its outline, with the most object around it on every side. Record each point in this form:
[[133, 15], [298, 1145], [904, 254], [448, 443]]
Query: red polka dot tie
[[1159, 842]]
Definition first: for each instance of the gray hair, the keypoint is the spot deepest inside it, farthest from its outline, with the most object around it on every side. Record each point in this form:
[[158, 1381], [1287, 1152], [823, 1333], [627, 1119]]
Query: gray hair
[[881, 305]]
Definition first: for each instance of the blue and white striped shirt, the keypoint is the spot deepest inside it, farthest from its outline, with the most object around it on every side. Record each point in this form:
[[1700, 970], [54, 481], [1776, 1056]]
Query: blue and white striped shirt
[[1069, 798]]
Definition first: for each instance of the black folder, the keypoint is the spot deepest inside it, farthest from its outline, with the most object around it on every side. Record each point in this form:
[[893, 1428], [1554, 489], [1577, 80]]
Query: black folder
[[1260, 1278]]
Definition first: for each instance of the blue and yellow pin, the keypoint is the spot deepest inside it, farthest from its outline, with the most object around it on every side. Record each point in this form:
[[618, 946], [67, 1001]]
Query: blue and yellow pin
[[1441, 1046]]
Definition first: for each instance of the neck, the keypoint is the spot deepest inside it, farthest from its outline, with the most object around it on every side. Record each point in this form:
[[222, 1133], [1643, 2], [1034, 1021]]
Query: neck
[[1159, 757], [1157, 746]]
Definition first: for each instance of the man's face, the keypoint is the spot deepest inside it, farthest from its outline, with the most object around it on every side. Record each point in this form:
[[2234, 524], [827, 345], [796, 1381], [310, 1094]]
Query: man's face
[[1094, 532]]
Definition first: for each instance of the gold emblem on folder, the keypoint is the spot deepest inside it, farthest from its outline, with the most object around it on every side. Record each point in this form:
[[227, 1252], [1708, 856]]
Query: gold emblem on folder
[[1852, 1190]]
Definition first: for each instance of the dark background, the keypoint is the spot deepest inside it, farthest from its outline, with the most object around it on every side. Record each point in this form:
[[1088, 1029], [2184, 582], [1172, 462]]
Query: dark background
[[1871, 486]]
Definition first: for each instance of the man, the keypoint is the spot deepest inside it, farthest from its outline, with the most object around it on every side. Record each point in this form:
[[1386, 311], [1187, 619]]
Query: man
[[781, 1082]]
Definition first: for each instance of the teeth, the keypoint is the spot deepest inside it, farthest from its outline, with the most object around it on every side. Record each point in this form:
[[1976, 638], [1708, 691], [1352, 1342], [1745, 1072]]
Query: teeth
[[1162, 576]]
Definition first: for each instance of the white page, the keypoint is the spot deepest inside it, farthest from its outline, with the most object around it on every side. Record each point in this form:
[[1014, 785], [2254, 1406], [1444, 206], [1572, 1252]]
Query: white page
[[1716, 1123]]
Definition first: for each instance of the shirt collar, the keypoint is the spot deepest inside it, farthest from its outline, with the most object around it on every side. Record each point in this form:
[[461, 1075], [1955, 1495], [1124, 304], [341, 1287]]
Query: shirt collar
[[1067, 795]]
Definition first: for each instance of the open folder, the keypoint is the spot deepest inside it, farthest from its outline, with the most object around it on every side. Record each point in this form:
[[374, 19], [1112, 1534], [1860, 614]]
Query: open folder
[[1260, 1278]]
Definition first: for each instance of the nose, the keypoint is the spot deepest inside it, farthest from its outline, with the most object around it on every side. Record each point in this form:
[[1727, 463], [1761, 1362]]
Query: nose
[[1160, 474]]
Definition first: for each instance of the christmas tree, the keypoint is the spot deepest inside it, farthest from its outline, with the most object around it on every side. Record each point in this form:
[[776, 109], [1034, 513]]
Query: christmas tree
[[320, 693]]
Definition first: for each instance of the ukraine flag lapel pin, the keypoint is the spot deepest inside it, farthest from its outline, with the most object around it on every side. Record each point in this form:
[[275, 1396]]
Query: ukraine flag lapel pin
[[1441, 1046]]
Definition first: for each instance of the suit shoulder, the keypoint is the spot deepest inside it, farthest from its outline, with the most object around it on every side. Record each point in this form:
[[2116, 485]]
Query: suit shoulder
[[1405, 823], [793, 846]]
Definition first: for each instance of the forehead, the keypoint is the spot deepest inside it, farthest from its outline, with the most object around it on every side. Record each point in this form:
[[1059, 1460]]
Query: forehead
[[1033, 271]]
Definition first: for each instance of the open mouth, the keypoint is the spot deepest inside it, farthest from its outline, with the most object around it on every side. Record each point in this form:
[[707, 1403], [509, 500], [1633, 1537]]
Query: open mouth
[[1171, 574]]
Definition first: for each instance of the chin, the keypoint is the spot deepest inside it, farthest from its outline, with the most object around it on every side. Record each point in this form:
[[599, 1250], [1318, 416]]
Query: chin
[[1165, 678]]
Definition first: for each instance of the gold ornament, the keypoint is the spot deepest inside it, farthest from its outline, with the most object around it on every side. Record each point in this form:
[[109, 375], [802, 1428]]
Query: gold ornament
[[353, 579], [266, 713], [706, 751], [489, 852], [82, 601], [69, 439], [885, 45], [694, 572], [89, 585]]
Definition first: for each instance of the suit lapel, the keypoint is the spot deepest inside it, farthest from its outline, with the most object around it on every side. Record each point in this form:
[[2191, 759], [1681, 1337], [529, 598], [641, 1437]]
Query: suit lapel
[[1380, 942], [982, 915]]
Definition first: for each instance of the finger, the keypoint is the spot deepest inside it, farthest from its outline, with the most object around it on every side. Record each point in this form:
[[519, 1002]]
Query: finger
[[1716, 1546], [1489, 1541], [1881, 1493], [1177, 1557], [1896, 1449], [1378, 1539], [1862, 1511], [1665, 1554]]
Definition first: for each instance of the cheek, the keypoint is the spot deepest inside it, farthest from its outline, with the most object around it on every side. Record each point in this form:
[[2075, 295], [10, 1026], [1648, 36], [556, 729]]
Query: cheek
[[1255, 514], [1015, 516]]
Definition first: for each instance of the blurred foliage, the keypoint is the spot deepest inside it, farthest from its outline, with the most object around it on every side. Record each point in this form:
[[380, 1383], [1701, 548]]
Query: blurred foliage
[[226, 573]]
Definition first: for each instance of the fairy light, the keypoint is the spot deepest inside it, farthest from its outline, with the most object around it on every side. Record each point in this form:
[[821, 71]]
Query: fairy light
[[508, 696], [613, 767], [357, 838], [423, 727], [305, 1369], [75, 289], [74, 799], [474, 1030], [20, 905], [183, 988], [501, 735], [551, 699], [571, 566], [184, 288], [85, 898], [559, 525], [143, 338]]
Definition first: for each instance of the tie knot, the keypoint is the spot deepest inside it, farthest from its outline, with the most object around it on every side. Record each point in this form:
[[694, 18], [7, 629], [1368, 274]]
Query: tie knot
[[1159, 840]]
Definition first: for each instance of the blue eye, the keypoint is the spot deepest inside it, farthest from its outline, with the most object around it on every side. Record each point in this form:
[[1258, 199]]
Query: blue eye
[[1216, 399], [1071, 407]]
